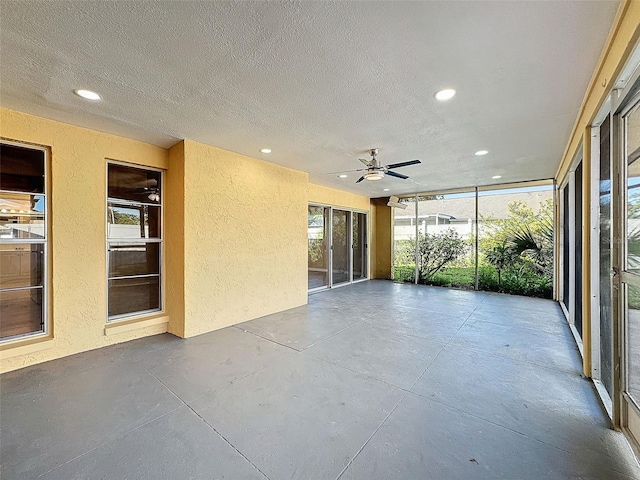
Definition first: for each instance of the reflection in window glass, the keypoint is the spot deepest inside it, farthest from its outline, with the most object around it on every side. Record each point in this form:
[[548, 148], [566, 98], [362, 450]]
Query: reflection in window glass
[[21, 216], [341, 247], [22, 312], [318, 246], [22, 241], [134, 240], [134, 259], [22, 169], [134, 184], [131, 221], [21, 265], [137, 294], [359, 242]]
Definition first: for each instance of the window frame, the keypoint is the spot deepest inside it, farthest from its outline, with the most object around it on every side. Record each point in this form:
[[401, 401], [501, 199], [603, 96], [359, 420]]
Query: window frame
[[45, 318], [133, 241]]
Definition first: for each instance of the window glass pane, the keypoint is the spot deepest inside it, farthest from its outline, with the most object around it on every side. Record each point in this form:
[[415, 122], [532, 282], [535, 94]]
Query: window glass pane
[[318, 262], [21, 265], [21, 169], [633, 342], [130, 295], [134, 259], [21, 216], [20, 312], [133, 221], [340, 233], [359, 246], [134, 184], [404, 241], [565, 248], [578, 249], [633, 190], [606, 323]]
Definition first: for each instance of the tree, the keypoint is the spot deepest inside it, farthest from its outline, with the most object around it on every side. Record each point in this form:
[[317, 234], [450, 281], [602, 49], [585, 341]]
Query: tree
[[500, 256], [436, 250], [527, 235]]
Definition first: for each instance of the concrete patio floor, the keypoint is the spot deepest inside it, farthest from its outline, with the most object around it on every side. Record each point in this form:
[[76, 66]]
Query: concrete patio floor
[[374, 380]]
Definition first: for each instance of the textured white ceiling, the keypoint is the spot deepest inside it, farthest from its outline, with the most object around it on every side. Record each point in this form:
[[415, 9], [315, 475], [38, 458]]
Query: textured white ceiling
[[318, 82]]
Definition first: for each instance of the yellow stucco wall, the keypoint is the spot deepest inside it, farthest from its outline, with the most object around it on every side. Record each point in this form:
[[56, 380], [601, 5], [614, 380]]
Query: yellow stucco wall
[[235, 237], [337, 198], [174, 239], [77, 248], [623, 37], [245, 238], [382, 219]]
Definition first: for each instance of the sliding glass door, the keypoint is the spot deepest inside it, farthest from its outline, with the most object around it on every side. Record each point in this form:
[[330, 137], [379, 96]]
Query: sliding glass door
[[359, 246], [318, 244], [631, 263], [337, 247], [340, 247]]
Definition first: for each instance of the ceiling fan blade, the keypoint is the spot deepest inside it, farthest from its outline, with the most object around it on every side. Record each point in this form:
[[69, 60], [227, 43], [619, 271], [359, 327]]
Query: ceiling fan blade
[[403, 164], [347, 171], [360, 179], [397, 175], [366, 162]]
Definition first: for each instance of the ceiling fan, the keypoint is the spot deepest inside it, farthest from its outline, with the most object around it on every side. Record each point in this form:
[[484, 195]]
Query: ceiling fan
[[375, 171], [149, 188]]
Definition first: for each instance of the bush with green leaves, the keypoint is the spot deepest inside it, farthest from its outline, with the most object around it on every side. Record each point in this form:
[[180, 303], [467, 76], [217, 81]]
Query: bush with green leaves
[[435, 251]]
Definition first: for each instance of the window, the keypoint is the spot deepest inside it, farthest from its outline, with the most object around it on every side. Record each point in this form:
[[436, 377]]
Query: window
[[134, 240], [23, 241]]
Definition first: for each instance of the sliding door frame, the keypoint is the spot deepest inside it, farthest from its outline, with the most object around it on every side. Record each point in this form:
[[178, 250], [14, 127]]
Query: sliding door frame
[[330, 249]]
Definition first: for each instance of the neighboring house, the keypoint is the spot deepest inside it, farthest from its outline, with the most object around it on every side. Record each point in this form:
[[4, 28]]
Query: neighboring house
[[436, 216]]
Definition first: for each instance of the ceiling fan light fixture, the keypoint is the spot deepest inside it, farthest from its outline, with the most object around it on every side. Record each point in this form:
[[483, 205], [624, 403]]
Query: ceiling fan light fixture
[[374, 175]]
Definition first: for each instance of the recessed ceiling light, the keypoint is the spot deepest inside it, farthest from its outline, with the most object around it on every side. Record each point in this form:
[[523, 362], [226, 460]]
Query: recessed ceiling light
[[445, 94], [385, 189], [265, 150], [479, 153], [87, 94], [343, 176], [495, 177]]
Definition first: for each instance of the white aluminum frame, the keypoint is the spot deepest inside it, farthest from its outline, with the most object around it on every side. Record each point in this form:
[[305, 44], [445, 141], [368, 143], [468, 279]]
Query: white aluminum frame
[[594, 287], [570, 182], [475, 191], [45, 268], [329, 235], [626, 277]]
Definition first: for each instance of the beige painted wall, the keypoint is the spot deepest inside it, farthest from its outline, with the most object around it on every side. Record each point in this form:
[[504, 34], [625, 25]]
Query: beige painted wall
[[337, 198], [623, 37], [78, 297], [174, 239], [245, 238], [382, 218]]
